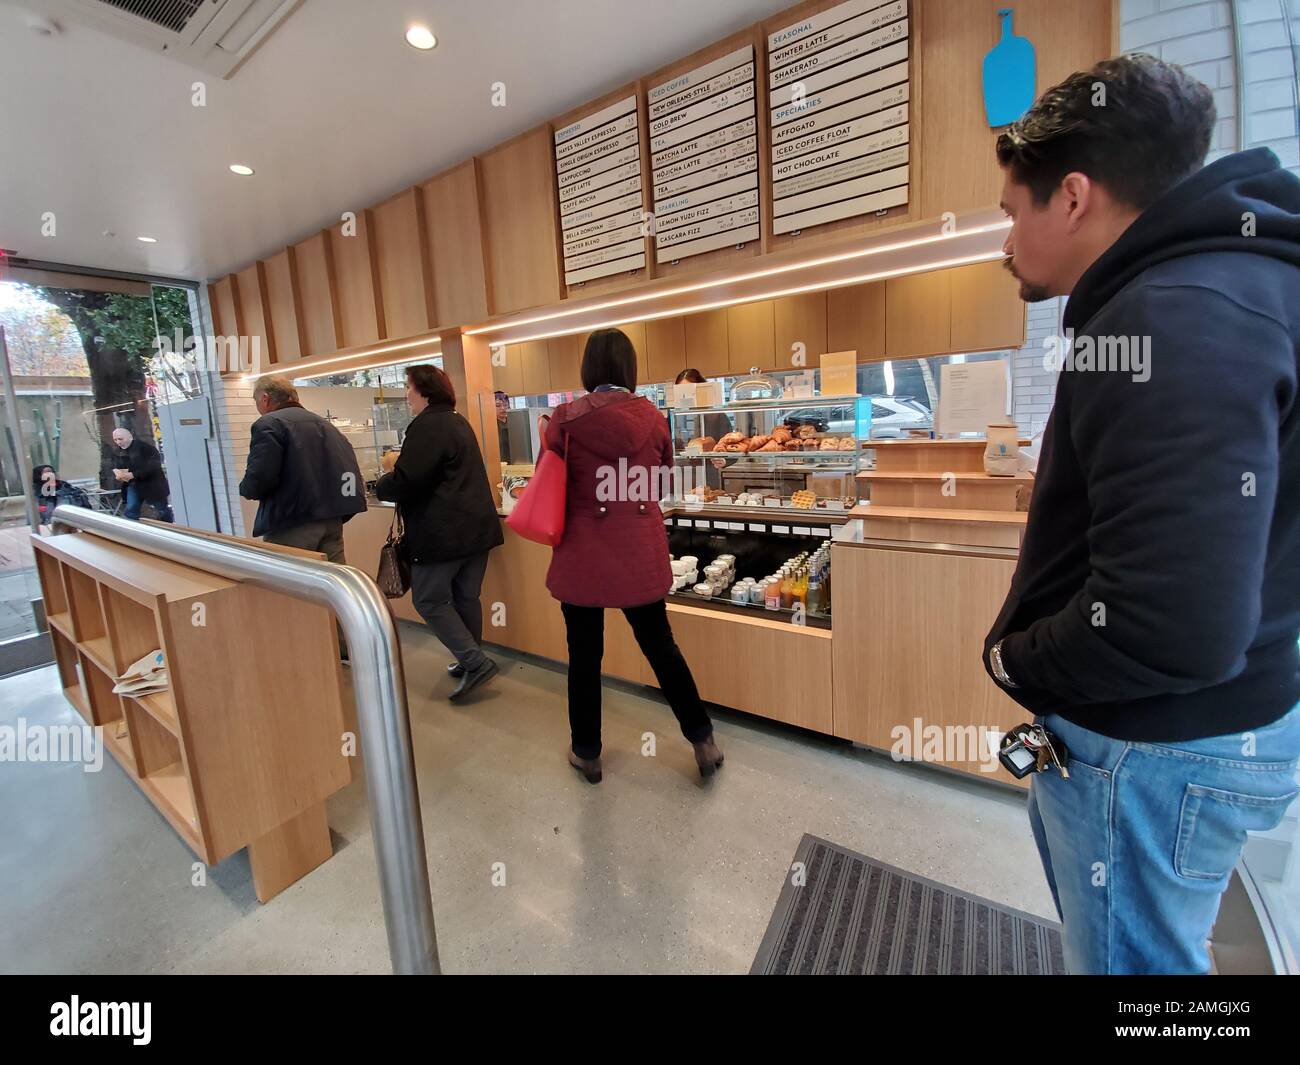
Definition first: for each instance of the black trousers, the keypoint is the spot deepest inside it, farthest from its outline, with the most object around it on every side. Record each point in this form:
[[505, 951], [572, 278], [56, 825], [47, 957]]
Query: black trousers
[[585, 626]]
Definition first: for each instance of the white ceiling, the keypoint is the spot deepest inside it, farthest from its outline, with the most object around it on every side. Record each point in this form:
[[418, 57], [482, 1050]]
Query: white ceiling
[[335, 112]]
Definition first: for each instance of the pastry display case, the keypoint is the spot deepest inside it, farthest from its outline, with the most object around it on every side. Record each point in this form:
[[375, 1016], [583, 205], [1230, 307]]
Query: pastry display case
[[783, 454]]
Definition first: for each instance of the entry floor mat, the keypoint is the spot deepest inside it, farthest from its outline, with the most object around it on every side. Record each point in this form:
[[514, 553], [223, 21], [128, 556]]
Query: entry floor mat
[[842, 912]]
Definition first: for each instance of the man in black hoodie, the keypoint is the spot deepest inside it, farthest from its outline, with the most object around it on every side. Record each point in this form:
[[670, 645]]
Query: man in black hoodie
[[1152, 621]]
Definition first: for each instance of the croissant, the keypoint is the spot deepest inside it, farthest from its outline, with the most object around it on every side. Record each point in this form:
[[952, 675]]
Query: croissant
[[757, 443], [782, 434], [771, 445], [732, 438]]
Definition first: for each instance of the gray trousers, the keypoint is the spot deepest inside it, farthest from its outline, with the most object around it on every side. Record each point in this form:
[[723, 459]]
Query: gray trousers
[[325, 536], [446, 595]]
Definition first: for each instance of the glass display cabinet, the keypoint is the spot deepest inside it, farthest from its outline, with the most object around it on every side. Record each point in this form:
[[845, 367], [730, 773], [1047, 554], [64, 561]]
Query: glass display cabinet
[[789, 455]]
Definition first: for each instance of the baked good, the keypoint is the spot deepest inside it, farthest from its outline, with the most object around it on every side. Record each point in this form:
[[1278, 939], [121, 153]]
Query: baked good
[[771, 445], [806, 432], [732, 438], [804, 499], [704, 443], [847, 443], [829, 443], [781, 434], [758, 443], [790, 445], [733, 448]]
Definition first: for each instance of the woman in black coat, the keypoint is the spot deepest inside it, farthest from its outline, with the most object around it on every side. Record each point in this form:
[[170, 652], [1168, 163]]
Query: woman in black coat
[[441, 488]]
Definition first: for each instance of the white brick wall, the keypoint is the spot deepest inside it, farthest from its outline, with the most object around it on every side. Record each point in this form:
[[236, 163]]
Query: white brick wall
[[1198, 34], [1033, 388]]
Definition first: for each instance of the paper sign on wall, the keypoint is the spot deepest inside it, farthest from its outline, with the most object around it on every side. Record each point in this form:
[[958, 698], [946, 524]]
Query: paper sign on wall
[[972, 395], [839, 373]]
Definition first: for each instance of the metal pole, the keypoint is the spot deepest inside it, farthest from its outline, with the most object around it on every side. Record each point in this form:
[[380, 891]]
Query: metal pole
[[380, 688]]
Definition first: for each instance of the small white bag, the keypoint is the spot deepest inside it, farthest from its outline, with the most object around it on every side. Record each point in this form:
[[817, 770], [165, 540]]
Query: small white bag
[[1002, 452]]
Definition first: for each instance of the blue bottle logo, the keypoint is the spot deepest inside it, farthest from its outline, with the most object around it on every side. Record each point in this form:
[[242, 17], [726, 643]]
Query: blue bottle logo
[[1010, 75]]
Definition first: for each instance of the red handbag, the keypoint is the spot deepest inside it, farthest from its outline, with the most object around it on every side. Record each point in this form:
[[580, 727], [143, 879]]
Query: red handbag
[[539, 513]]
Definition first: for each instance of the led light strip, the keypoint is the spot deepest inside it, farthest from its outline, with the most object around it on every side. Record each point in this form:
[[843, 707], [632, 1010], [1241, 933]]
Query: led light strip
[[287, 368], [966, 260], [807, 264]]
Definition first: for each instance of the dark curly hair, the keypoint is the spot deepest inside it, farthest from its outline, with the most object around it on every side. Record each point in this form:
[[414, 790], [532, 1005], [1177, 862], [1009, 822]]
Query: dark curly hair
[[1134, 124]]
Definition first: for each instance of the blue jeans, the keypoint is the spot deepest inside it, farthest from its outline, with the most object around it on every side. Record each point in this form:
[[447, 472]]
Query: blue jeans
[[134, 501], [1138, 845]]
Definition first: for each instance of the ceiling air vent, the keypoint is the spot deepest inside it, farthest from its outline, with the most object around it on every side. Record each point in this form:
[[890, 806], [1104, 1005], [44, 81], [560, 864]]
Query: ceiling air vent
[[169, 14], [215, 36]]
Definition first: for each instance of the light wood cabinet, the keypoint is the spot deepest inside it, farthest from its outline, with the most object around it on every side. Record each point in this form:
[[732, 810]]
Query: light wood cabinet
[[356, 280], [282, 302], [534, 366], [565, 355], [912, 646], [508, 369], [987, 312], [918, 314], [751, 336], [320, 312], [242, 748], [665, 348], [521, 241], [800, 319], [250, 291], [453, 220], [707, 344], [402, 259], [855, 320]]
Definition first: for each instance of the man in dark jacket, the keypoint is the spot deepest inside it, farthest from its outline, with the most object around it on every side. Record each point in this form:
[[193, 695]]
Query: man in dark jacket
[[441, 488], [139, 470], [302, 472], [1153, 616]]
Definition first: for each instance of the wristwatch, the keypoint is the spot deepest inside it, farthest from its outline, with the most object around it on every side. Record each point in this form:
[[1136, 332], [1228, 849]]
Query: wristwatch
[[999, 670]]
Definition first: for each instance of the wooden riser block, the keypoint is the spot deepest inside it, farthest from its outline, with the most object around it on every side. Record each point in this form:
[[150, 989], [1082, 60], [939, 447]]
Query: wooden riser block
[[944, 458], [288, 853], [969, 495], [975, 534]]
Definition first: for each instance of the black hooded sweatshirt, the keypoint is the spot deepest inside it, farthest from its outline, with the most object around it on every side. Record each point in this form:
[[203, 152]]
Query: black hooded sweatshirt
[[1157, 595]]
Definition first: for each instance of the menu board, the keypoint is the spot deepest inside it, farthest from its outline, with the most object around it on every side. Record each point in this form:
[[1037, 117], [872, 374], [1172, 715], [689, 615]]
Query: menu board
[[838, 90], [598, 170], [704, 157]]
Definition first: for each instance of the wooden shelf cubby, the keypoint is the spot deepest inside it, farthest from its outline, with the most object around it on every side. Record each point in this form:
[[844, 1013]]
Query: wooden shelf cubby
[[245, 745]]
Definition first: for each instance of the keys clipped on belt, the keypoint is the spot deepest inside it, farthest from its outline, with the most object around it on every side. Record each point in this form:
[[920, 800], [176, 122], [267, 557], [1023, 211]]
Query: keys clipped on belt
[[1032, 749]]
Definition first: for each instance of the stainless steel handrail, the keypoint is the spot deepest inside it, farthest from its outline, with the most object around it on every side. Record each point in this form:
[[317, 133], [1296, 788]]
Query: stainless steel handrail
[[377, 681]]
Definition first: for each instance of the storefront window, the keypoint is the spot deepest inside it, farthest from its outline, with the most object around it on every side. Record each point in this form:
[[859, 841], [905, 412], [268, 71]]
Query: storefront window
[[84, 358]]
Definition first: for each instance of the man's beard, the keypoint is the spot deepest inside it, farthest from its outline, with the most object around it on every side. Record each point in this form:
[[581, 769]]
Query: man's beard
[[1029, 292]]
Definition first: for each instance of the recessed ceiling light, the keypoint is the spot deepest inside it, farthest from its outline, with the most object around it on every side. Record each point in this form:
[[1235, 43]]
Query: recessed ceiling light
[[241, 169], [148, 240], [420, 37]]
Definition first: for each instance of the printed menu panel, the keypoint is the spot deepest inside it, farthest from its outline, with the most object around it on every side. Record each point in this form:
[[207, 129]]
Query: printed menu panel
[[598, 171], [838, 92], [704, 157]]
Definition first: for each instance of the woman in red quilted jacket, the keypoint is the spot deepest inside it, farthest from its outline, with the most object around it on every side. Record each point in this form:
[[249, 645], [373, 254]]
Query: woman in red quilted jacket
[[615, 551]]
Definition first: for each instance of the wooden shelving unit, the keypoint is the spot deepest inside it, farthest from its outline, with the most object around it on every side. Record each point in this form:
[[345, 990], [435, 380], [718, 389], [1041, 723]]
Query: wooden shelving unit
[[244, 747], [937, 491]]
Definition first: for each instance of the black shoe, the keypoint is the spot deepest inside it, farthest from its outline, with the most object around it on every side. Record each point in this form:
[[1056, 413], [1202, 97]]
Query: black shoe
[[708, 756], [588, 767], [455, 669], [474, 677]]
